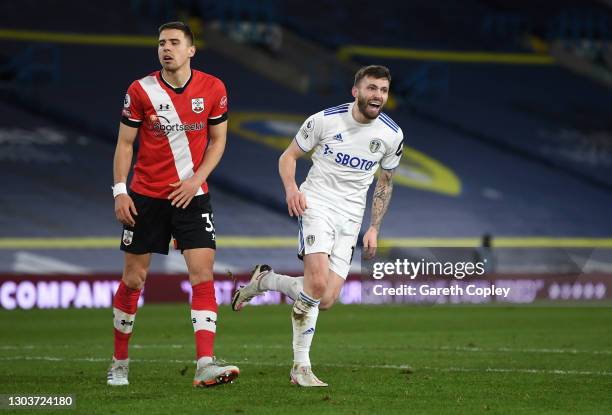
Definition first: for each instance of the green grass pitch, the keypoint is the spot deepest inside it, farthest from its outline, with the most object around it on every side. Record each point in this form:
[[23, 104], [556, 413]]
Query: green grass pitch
[[377, 359]]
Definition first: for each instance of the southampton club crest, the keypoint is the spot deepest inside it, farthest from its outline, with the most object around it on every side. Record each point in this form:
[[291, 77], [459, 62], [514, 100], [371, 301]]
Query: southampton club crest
[[197, 105], [375, 145], [310, 239], [127, 237]]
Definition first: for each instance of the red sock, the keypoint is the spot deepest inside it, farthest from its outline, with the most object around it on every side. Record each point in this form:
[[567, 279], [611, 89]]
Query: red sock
[[125, 304], [204, 317]]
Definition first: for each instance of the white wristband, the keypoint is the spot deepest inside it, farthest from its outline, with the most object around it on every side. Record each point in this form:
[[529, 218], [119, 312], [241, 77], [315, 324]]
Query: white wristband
[[119, 189]]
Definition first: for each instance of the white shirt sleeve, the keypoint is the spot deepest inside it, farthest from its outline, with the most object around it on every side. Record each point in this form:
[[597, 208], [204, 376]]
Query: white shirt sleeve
[[393, 153], [309, 133]]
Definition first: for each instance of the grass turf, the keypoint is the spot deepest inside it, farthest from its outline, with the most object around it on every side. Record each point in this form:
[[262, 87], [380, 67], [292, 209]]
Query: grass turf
[[391, 359]]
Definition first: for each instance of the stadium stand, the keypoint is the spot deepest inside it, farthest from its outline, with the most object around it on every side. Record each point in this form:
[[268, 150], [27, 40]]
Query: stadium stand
[[512, 143]]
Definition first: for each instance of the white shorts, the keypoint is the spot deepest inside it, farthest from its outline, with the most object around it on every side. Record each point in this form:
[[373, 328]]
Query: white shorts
[[323, 230]]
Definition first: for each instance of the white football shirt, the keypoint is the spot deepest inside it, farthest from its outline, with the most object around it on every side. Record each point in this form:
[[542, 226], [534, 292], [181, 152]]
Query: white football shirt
[[346, 156]]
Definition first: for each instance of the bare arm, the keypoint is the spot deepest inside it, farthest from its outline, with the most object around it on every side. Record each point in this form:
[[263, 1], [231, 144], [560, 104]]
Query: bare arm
[[380, 203], [124, 206], [381, 198], [296, 201], [185, 190], [214, 152]]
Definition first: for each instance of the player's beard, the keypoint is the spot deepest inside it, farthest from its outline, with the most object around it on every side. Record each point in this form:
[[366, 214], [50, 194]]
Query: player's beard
[[362, 105]]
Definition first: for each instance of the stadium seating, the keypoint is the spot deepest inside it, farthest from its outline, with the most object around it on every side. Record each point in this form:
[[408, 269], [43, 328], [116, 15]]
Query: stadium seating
[[490, 126]]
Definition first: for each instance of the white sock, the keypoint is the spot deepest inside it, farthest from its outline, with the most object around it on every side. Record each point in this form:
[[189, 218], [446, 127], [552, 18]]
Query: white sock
[[123, 362], [290, 286], [304, 320], [204, 360]]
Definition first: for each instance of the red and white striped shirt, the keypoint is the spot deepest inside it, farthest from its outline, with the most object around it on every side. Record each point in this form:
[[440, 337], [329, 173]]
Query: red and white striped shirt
[[173, 128]]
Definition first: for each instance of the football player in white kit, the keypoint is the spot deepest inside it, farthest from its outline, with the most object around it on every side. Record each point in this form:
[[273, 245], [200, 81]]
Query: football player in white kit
[[350, 142]]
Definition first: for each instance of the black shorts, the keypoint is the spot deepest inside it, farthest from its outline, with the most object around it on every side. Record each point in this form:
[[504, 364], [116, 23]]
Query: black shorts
[[158, 221]]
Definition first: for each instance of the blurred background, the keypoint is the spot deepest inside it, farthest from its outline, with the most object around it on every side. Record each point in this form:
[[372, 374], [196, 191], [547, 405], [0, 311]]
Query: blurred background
[[505, 107]]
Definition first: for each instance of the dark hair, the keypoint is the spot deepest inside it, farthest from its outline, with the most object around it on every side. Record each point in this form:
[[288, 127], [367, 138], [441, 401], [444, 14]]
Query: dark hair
[[183, 27], [375, 71]]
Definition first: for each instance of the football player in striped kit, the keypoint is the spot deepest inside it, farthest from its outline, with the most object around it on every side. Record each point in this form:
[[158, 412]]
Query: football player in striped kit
[[180, 118], [349, 143]]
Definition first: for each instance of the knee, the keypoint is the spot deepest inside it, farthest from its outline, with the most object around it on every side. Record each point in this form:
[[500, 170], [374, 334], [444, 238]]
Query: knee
[[134, 276]]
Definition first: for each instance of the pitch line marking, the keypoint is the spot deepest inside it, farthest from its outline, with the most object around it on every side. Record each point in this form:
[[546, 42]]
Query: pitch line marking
[[395, 367], [514, 370], [358, 347], [528, 350], [458, 349]]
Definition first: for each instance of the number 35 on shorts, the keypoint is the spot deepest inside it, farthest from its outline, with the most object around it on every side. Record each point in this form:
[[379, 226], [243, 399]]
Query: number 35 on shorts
[[209, 225]]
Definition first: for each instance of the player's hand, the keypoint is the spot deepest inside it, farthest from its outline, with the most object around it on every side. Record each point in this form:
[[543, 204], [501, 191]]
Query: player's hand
[[124, 209], [184, 191], [370, 243], [296, 202]]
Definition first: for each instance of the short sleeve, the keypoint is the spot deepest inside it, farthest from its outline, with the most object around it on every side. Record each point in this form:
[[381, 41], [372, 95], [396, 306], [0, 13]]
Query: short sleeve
[[218, 111], [393, 154], [132, 113], [309, 133]]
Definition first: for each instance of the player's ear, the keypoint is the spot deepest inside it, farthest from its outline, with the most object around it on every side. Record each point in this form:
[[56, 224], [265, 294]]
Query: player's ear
[[192, 51], [354, 92]]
